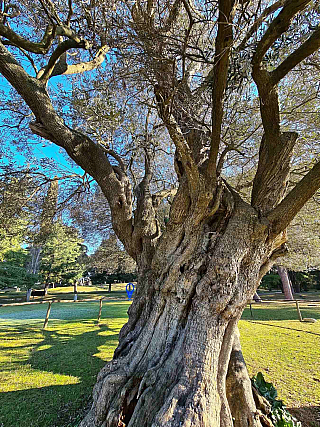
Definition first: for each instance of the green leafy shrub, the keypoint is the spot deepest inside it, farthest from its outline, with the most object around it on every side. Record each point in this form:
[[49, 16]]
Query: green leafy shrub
[[280, 416], [13, 271], [271, 281]]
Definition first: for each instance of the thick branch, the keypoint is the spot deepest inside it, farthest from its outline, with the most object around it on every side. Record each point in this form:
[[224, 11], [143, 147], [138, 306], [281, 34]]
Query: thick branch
[[269, 105], [270, 182], [41, 47], [284, 213], [62, 68], [184, 155], [305, 50], [259, 21], [278, 26], [224, 42], [63, 47]]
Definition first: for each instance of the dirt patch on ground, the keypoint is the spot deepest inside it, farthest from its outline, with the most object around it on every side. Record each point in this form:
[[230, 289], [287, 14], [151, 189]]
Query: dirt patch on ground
[[308, 415]]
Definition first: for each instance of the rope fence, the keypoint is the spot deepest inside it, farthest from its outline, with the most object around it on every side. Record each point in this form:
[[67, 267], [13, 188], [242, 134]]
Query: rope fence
[[296, 302], [251, 304], [50, 302]]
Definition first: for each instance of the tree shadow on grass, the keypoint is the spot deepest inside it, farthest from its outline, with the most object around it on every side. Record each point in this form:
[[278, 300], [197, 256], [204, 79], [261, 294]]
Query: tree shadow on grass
[[60, 354], [274, 313], [308, 415], [285, 327]]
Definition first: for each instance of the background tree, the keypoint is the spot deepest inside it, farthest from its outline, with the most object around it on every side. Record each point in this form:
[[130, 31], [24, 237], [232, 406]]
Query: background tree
[[13, 270], [48, 212], [29, 205], [17, 218], [62, 255], [111, 258], [219, 72], [17, 193]]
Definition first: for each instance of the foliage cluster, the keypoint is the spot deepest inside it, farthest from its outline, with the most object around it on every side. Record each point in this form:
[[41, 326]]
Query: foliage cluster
[[305, 280], [13, 271], [100, 278]]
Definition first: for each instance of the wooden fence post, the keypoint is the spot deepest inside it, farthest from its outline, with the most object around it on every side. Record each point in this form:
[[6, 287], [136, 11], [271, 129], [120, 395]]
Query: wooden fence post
[[100, 309], [47, 316], [299, 312], [251, 313]]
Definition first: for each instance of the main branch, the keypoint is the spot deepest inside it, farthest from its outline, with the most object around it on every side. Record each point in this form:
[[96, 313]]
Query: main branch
[[223, 45], [284, 213], [41, 47]]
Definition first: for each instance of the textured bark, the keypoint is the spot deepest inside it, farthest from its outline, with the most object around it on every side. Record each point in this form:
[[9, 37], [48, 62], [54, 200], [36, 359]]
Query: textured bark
[[171, 364], [295, 283]]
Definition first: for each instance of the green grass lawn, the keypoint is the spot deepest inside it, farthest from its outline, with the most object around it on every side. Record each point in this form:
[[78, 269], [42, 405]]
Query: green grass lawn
[[287, 352], [46, 376]]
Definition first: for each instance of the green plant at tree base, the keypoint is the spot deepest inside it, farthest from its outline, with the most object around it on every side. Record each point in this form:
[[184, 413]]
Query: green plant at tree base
[[280, 416]]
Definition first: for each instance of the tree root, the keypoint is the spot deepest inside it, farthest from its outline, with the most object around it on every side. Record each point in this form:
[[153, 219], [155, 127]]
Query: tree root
[[248, 407]]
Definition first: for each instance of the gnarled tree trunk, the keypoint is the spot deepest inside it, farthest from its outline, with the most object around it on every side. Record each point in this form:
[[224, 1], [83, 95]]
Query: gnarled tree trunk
[[171, 365]]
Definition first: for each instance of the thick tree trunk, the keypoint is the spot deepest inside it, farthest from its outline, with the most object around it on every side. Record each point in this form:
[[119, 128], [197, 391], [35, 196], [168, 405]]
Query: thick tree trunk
[[33, 266], [247, 408], [295, 283], [286, 282], [171, 365]]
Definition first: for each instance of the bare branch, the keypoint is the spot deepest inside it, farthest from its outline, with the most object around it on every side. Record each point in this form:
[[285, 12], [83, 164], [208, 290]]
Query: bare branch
[[45, 73], [306, 49], [82, 67], [224, 42], [70, 13], [51, 12], [259, 21], [58, 66], [278, 26], [41, 47]]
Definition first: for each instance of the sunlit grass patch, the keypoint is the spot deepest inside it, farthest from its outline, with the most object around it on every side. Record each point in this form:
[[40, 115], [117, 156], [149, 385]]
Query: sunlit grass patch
[[47, 376], [286, 351]]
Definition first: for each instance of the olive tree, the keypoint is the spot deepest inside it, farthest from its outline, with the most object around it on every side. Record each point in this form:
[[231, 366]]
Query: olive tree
[[219, 71]]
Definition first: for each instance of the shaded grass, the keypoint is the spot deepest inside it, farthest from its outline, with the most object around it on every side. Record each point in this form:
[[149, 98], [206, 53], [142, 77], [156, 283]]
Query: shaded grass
[[47, 376], [278, 295]]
